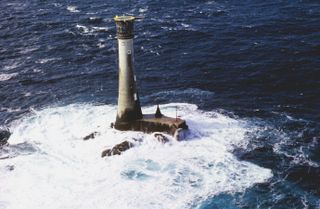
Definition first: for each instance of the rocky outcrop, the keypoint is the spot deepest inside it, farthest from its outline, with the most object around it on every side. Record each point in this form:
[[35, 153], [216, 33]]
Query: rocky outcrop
[[151, 123], [117, 149], [179, 134], [161, 138], [90, 136], [4, 136]]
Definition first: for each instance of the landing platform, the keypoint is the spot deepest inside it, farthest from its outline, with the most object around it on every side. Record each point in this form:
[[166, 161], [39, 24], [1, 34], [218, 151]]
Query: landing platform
[[150, 123]]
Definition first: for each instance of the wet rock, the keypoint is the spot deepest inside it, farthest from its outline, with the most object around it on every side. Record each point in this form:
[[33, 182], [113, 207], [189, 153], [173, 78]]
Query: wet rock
[[117, 149], [4, 136], [161, 138], [179, 134], [90, 136]]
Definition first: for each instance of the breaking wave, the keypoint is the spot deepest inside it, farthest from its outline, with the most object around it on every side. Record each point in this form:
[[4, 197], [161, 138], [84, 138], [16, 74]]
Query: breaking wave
[[72, 9], [61, 166], [5, 77]]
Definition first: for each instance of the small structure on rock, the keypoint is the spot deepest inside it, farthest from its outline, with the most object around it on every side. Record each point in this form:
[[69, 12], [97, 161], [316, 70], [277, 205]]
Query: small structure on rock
[[158, 113], [129, 114]]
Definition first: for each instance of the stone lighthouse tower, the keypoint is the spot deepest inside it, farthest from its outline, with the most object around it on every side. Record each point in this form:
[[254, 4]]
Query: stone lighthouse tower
[[129, 114], [129, 109]]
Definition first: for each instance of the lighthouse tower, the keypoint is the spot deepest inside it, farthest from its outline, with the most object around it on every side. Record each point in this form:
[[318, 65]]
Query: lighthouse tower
[[129, 115], [129, 109]]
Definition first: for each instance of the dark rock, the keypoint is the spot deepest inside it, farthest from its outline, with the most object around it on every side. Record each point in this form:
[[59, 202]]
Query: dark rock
[[150, 124], [179, 134], [4, 136], [118, 149], [90, 136], [161, 138], [106, 152]]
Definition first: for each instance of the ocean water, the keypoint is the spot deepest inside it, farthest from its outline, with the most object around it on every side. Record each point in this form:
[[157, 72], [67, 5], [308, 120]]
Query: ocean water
[[244, 74]]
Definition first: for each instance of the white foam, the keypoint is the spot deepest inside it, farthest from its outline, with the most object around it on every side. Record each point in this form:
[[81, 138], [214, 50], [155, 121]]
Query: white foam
[[91, 30], [72, 9], [28, 50], [7, 76], [185, 25], [8, 109], [100, 29], [101, 45], [12, 66], [67, 172], [143, 10], [83, 28], [94, 18], [45, 60], [57, 4]]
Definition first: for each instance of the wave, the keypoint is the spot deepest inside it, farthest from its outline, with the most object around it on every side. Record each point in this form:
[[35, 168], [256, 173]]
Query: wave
[[151, 175], [91, 30], [73, 9], [189, 95], [7, 76]]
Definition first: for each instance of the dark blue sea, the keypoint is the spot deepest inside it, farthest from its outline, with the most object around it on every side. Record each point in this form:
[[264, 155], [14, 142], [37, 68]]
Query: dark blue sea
[[245, 75]]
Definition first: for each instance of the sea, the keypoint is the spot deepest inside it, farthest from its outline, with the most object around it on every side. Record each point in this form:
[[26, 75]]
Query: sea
[[245, 75]]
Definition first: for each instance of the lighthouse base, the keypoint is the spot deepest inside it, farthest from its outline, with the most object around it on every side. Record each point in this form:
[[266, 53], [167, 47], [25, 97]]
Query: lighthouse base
[[150, 123]]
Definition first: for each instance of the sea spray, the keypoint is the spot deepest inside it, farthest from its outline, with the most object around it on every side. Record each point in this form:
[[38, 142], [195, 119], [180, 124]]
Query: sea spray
[[63, 171]]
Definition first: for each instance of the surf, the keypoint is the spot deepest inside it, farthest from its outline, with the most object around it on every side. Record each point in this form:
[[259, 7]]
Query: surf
[[60, 165]]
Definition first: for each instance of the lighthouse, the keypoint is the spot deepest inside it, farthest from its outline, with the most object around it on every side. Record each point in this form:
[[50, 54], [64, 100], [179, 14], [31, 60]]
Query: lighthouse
[[129, 114], [129, 108]]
